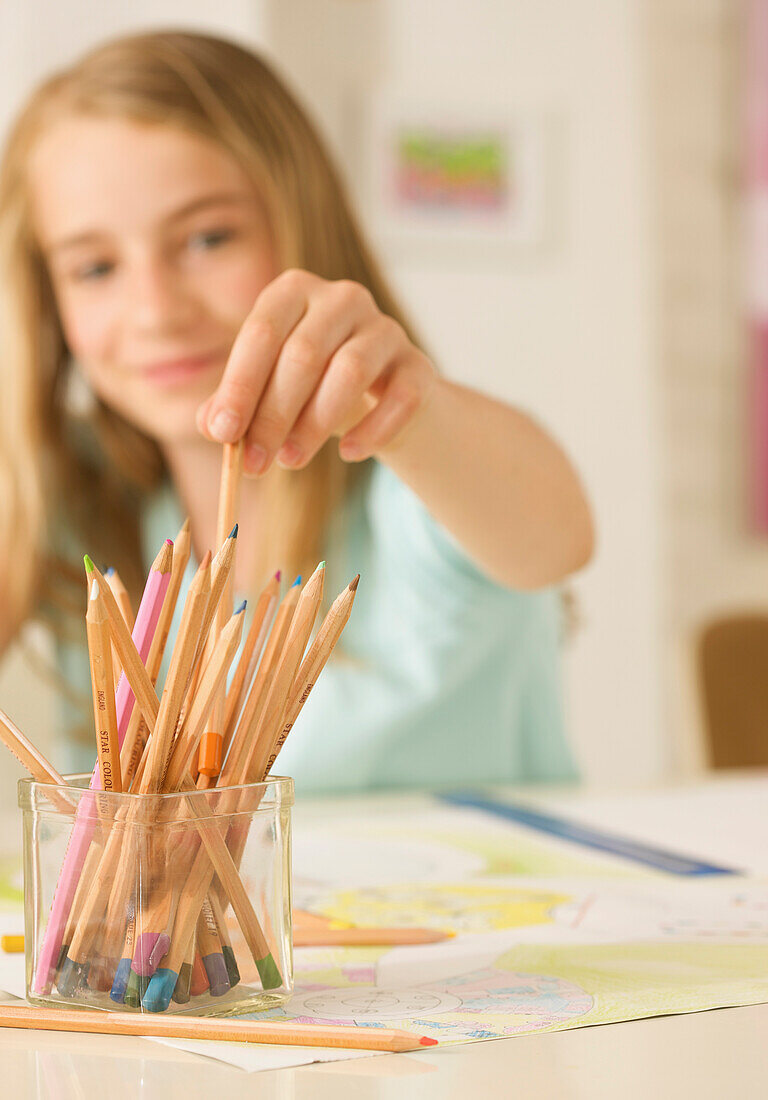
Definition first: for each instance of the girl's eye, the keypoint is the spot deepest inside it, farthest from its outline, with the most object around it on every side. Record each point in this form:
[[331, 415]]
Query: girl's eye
[[94, 271], [210, 239]]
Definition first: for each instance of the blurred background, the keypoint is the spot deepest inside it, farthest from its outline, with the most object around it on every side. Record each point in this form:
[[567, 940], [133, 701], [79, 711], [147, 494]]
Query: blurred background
[[566, 194]]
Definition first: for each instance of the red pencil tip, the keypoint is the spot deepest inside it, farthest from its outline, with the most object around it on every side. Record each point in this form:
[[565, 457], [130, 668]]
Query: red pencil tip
[[278, 575], [425, 1041], [169, 542]]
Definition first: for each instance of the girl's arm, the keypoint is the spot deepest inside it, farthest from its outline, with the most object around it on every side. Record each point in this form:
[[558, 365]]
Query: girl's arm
[[316, 359], [498, 483]]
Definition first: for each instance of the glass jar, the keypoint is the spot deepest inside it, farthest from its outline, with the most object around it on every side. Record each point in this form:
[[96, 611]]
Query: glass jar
[[158, 903]]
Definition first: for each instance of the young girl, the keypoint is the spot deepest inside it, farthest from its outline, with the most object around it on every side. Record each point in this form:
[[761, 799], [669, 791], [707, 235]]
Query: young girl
[[180, 269]]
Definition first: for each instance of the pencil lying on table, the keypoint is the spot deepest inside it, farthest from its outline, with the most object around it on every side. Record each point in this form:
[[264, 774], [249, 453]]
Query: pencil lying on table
[[232, 1030]]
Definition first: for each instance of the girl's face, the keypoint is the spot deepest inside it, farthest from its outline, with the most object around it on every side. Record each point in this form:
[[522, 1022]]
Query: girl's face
[[157, 246]]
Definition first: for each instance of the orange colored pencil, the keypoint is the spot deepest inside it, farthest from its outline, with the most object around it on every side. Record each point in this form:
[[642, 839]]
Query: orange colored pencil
[[223, 1030]]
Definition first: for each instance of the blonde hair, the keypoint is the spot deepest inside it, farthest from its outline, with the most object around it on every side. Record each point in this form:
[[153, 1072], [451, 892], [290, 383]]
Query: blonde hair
[[225, 93]]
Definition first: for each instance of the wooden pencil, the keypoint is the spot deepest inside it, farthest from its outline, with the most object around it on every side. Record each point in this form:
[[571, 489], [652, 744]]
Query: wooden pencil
[[221, 567], [226, 941], [143, 632], [223, 1030], [159, 745], [212, 951], [120, 592], [135, 736], [133, 666], [257, 696], [366, 937], [265, 732], [103, 690], [33, 760], [213, 676], [315, 661], [229, 495], [229, 499], [254, 642]]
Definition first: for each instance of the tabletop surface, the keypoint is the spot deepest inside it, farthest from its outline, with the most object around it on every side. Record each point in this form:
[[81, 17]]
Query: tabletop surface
[[699, 1055]]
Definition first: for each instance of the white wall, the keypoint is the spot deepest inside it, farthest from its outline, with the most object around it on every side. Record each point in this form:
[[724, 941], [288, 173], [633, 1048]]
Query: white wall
[[565, 331]]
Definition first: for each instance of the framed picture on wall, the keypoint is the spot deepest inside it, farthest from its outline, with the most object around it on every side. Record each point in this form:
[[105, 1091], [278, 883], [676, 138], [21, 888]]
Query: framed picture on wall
[[438, 176]]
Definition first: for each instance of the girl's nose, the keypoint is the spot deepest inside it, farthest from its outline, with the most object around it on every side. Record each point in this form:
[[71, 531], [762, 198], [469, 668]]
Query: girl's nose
[[157, 301]]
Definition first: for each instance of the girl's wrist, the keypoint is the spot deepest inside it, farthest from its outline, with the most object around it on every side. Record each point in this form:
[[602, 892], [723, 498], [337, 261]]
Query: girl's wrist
[[417, 438]]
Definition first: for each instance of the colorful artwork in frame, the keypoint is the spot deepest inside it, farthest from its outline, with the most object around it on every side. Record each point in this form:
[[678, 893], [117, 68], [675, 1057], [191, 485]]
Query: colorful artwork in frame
[[459, 180]]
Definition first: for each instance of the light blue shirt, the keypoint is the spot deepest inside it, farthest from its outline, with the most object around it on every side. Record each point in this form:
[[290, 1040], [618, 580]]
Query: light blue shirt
[[445, 677]]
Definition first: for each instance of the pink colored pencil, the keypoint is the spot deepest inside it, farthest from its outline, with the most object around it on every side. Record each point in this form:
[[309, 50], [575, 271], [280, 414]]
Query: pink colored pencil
[[85, 818]]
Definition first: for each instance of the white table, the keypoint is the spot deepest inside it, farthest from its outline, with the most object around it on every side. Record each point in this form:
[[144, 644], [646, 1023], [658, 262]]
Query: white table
[[701, 1055]]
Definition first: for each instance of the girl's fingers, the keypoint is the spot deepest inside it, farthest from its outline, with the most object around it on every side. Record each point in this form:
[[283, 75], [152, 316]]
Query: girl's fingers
[[332, 317], [404, 395], [257, 345], [357, 367]]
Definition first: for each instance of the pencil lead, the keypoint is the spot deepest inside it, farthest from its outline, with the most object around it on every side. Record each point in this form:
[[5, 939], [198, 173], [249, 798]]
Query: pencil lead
[[181, 991], [233, 533], [120, 983], [206, 560], [159, 991], [321, 565], [354, 583], [169, 542], [278, 575], [218, 976], [268, 972], [231, 962], [297, 581], [89, 566], [109, 572], [241, 608]]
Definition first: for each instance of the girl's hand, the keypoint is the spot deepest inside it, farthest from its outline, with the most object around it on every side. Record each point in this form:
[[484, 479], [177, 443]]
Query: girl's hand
[[316, 359]]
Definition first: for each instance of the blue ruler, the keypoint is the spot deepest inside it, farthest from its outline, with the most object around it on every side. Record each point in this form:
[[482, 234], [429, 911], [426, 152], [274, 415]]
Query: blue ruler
[[582, 834]]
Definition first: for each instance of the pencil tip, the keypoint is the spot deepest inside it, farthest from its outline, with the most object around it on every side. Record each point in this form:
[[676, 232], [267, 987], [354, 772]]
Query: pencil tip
[[169, 542], [354, 583], [297, 581], [109, 572], [425, 1041], [321, 565], [206, 560], [278, 575], [233, 532], [89, 566], [241, 608], [185, 525]]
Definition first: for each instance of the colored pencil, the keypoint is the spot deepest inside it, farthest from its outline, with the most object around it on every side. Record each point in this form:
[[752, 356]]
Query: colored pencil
[[135, 737], [213, 676], [254, 642], [191, 1027], [211, 951], [315, 661], [257, 696], [226, 942], [366, 937], [143, 632], [159, 746], [103, 685], [265, 732], [140, 686], [120, 592]]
